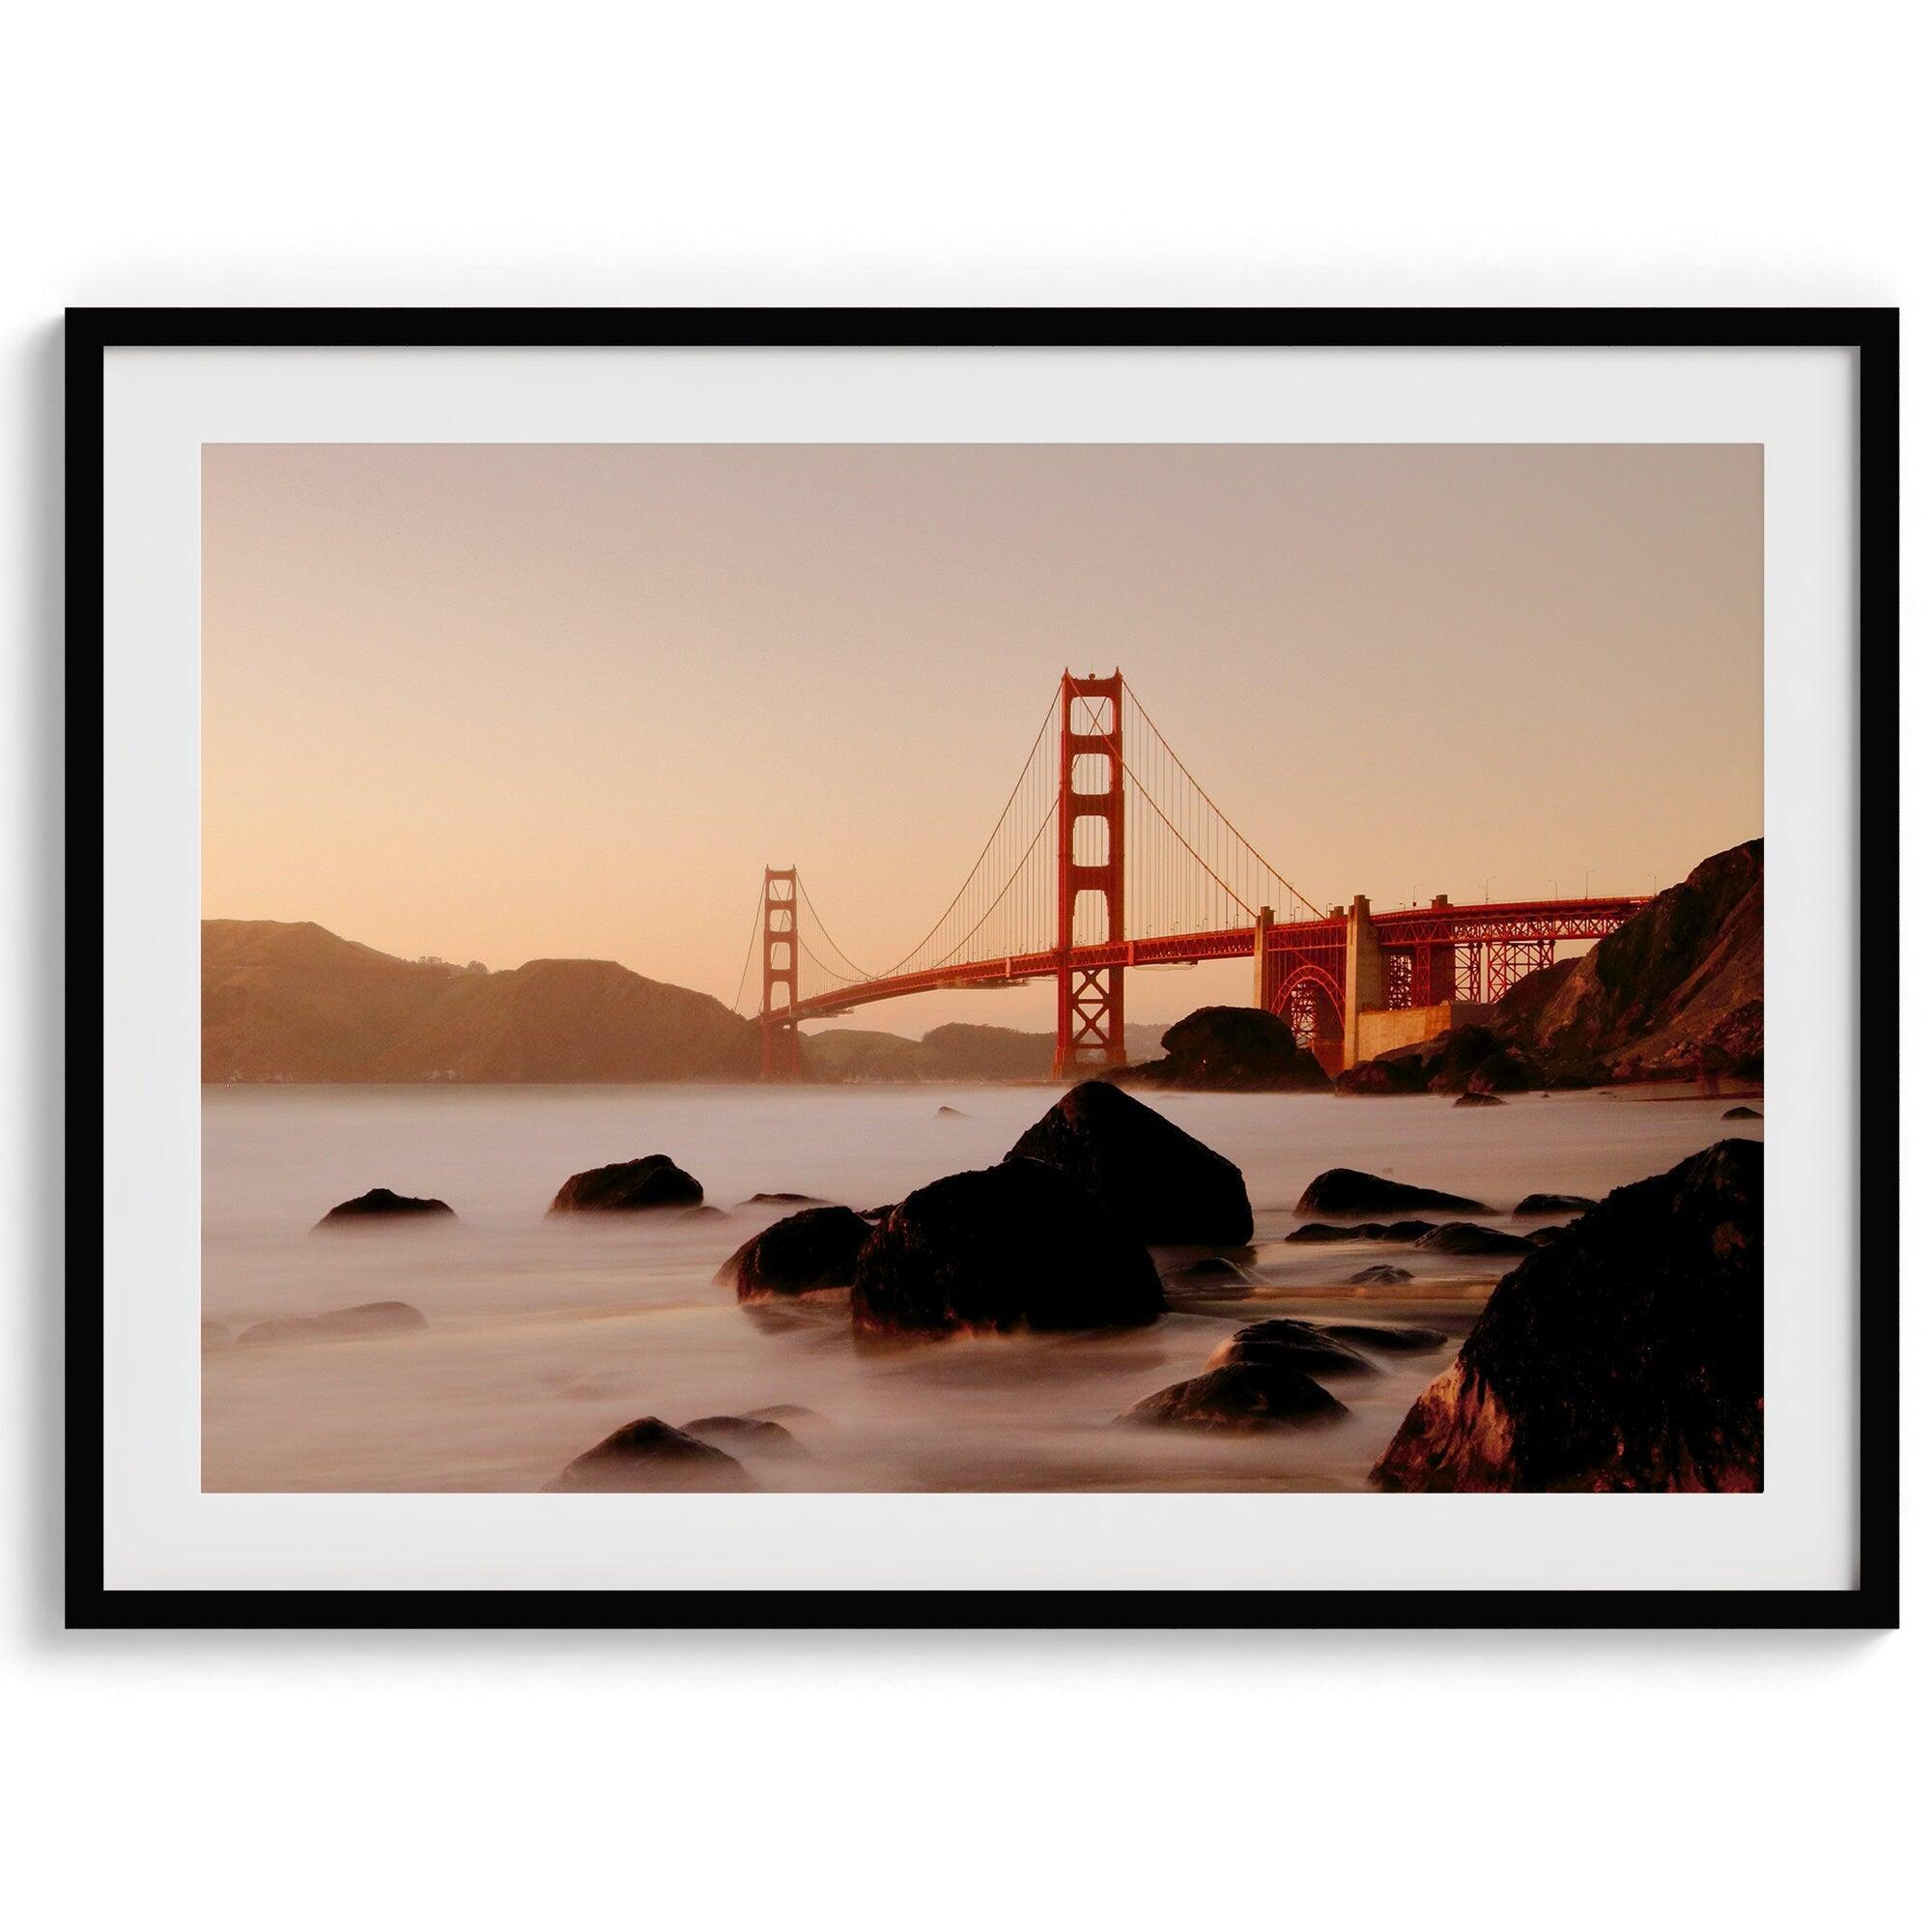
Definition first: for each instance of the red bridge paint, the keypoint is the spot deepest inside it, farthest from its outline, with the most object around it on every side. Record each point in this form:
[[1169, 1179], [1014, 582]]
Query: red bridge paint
[[1424, 956]]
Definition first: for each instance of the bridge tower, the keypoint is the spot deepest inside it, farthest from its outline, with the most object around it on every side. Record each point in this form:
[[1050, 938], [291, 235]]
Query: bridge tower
[[1091, 1033], [778, 1032]]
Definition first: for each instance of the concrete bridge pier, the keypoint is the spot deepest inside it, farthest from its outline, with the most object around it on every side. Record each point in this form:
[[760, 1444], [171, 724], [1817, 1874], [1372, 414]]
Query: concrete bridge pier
[[1365, 976]]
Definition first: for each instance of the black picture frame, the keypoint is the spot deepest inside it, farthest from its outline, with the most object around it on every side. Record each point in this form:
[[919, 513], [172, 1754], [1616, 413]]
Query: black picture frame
[[1872, 333]]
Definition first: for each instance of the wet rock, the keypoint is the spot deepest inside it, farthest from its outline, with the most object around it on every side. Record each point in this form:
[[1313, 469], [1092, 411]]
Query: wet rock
[[367, 1318], [1391, 1338], [1239, 1399], [1209, 1271], [1471, 1237], [379, 1205], [1533, 1205], [1161, 1181], [1540, 1237], [1381, 1275], [1742, 1114], [1021, 1245], [746, 1434], [877, 1213], [649, 1454], [1627, 1355], [1291, 1344], [787, 1412], [629, 1186], [1400, 1073], [815, 1248], [1475, 1098], [1231, 1050], [1317, 1233], [1346, 1190], [782, 1200], [949, 1114]]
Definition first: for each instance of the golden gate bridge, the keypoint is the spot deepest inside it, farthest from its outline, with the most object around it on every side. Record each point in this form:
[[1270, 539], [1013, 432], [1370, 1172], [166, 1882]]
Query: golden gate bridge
[[1109, 855]]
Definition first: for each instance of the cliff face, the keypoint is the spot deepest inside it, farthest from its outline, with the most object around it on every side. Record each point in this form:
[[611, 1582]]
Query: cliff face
[[294, 1001], [1675, 991], [1679, 987]]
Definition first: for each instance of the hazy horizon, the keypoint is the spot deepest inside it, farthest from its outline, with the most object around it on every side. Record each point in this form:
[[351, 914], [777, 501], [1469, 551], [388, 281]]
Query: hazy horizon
[[515, 702]]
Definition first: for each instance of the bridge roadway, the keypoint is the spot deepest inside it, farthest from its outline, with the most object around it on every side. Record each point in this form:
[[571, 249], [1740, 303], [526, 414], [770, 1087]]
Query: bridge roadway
[[1493, 946]]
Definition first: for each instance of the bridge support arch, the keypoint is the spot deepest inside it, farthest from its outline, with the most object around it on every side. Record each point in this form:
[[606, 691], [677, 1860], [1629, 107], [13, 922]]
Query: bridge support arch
[[1090, 1031]]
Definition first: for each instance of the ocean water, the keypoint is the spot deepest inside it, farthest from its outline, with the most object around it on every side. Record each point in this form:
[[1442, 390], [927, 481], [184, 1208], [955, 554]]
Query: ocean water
[[544, 1336]]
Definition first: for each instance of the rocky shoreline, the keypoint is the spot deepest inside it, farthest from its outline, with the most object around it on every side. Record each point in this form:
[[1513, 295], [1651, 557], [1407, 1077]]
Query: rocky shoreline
[[1620, 1348]]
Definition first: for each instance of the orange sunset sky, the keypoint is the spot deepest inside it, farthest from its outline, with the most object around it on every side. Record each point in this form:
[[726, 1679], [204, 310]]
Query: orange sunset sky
[[507, 702]]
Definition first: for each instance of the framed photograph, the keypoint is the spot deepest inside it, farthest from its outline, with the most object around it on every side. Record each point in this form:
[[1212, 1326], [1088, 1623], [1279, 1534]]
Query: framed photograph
[[1025, 968]]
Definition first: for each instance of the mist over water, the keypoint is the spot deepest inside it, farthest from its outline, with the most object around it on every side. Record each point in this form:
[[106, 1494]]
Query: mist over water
[[544, 1336]]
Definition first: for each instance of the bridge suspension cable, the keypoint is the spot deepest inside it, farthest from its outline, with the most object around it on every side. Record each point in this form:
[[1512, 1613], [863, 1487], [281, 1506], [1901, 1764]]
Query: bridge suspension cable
[[1187, 869]]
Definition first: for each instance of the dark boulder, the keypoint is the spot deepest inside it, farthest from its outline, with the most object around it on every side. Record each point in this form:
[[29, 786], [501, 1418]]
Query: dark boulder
[[784, 1200], [1397, 1074], [1391, 1338], [744, 1435], [1627, 1355], [816, 1248], [1742, 1114], [629, 1186], [1212, 1271], [1162, 1182], [1532, 1206], [1318, 1232], [1381, 1275], [367, 1318], [1470, 1238], [1239, 1399], [379, 1205], [1290, 1345], [1233, 1050], [1346, 1190], [1473, 1098], [1020, 1245], [652, 1455]]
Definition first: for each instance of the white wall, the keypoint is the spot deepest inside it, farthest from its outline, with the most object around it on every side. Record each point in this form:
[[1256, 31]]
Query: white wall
[[997, 154]]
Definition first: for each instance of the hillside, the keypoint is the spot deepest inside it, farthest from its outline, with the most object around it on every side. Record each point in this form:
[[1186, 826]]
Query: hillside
[[294, 1001], [1676, 991], [952, 1052]]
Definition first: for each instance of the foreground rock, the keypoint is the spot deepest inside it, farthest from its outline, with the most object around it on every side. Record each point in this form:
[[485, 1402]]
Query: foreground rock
[[818, 1248], [1021, 1245], [1471, 1237], [1533, 1205], [1626, 1355], [1291, 1344], [367, 1318], [1390, 1338], [1231, 1050], [1346, 1190], [379, 1205], [652, 1455], [1239, 1399], [1380, 1276], [1162, 1182], [629, 1186], [746, 1434]]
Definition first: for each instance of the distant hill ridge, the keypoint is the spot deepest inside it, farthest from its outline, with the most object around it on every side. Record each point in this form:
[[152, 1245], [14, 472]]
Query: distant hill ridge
[[284, 1001], [294, 1002]]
